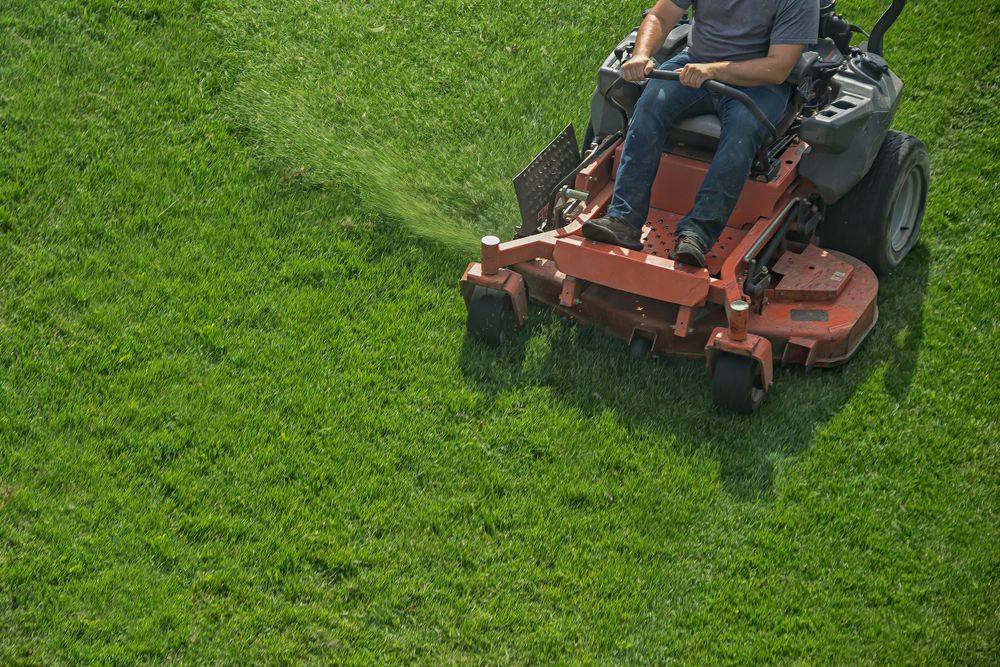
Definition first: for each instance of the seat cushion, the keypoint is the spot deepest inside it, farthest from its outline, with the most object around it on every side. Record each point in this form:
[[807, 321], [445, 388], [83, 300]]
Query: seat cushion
[[702, 131]]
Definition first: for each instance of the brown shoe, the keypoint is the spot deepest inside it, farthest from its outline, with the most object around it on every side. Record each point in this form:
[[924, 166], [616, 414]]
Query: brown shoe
[[614, 231], [689, 250]]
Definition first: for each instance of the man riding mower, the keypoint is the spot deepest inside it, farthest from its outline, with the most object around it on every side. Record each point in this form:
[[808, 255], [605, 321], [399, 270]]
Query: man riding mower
[[738, 192]]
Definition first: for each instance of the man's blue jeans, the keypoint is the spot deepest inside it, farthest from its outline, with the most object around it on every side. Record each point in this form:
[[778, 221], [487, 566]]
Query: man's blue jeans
[[661, 105]]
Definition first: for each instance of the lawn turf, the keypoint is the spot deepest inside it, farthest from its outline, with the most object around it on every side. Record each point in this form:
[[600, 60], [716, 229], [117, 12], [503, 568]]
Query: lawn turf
[[240, 421]]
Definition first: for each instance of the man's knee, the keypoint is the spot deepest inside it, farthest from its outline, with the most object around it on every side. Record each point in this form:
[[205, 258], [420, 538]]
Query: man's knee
[[660, 100], [653, 98], [742, 132]]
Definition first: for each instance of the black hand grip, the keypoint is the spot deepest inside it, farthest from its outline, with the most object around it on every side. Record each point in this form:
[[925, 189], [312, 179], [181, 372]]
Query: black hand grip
[[728, 91]]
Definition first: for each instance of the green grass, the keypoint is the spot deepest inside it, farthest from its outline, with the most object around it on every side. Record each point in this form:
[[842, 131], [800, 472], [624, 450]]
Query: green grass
[[240, 422]]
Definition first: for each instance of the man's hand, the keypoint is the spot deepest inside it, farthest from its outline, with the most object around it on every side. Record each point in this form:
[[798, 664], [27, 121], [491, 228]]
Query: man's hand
[[695, 74], [655, 27], [774, 68], [637, 69]]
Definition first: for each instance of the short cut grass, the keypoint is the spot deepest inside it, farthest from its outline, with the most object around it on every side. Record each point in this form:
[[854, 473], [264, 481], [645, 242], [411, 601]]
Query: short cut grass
[[240, 422]]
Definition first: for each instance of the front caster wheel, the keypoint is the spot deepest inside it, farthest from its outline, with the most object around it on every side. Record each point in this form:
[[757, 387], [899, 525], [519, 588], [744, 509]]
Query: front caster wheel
[[491, 316], [736, 386]]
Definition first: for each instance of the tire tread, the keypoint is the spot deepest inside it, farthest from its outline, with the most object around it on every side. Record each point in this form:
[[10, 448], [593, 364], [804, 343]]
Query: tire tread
[[858, 223]]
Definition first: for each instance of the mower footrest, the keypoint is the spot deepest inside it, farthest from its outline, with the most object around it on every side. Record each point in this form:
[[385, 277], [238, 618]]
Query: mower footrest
[[632, 271]]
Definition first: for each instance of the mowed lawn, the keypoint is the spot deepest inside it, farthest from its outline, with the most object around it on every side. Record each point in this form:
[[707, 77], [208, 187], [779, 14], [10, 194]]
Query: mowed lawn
[[240, 421]]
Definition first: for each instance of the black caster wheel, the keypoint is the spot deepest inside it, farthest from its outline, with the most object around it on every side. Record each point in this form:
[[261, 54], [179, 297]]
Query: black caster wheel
[[736, 386], [491, 316]]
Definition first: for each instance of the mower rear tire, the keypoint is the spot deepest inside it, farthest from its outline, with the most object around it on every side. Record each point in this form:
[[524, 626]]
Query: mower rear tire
[[491, 316], [736, 385], [878, 221]]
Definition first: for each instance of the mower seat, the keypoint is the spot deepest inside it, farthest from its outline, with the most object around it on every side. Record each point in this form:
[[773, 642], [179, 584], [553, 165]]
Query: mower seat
[[704, 131], [701, 131]]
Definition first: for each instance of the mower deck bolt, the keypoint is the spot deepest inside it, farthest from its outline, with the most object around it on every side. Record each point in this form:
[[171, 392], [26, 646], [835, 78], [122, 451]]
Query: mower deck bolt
[[490, 255], [739, 313]]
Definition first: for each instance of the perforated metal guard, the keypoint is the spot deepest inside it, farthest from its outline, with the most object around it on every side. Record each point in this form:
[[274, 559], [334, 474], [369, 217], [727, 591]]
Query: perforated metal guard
[[534, 185], [659, 239]]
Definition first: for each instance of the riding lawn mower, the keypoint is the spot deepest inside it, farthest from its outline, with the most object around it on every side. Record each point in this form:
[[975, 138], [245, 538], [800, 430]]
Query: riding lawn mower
[[834, 199]]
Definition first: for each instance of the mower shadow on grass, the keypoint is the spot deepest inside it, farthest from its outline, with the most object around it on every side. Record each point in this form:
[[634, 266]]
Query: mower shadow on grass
[[671, 398]]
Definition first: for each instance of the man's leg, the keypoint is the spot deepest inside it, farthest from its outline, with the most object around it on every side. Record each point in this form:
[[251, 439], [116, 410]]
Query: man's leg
[[662, 104], [742, 135]]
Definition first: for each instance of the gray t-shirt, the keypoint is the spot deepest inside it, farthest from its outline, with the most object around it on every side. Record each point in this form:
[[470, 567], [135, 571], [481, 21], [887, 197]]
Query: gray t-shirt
[[744, 29]]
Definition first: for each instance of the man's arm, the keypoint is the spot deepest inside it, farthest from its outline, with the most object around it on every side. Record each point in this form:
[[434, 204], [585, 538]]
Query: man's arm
[[654, 29], [772, 68]]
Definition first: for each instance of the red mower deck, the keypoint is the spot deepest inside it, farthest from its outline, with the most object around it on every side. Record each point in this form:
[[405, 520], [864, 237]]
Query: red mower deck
[[816, 314]]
